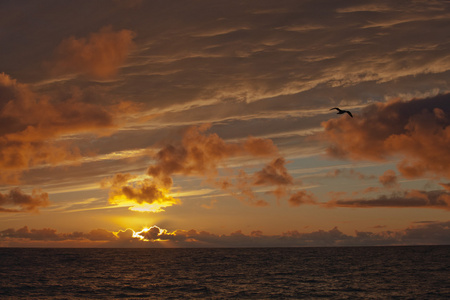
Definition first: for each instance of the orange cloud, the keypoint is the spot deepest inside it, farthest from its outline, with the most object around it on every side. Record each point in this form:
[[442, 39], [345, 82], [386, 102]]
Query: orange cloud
[[302, 197], [32, 124], [99, 56], [202, 154], [418, 130], [274, 173], [389, 179], [17, 201]]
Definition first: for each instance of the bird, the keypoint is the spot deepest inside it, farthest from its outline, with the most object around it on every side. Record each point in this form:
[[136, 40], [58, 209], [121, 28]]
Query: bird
[[340, 111]]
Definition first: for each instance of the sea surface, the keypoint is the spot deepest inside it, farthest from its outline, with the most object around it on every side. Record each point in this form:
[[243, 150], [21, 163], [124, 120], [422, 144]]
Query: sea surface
[[420, 272]]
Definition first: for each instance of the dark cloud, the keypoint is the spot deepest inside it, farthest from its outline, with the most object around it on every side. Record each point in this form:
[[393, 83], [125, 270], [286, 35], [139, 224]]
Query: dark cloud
[[417, 130], [100, 235], [423, 234], [431, 233], [409, 199], [17, 201], [46, 234]]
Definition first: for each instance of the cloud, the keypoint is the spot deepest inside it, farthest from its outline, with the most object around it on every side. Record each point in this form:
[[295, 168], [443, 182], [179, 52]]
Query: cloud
[[409, 199], [389, 179], [45, 234], [32, 125], [435, 233], [302, 197], [17, 201], [349, 173], [446, 186], [432, 233], [202, 154], [274, 173], [101, 235], [138, 194], [376, 7], [99, 56], [417, 130]]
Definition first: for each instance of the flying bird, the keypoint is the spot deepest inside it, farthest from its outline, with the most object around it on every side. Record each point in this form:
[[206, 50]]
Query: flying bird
[[340, 111]]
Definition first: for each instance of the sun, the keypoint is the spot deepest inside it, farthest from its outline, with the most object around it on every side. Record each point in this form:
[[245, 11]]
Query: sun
[[140, 234], [153, 233]]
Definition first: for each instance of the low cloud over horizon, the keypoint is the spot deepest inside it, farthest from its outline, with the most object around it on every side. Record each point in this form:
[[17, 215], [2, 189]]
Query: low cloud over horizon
[[425, 233]]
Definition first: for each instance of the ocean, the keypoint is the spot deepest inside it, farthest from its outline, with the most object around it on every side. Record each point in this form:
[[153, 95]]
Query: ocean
[[418, 272]]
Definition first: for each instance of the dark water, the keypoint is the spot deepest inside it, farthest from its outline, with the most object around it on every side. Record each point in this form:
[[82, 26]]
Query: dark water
[[259, 273]]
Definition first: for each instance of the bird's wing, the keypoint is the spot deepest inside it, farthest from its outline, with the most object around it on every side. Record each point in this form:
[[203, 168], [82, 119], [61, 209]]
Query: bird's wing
[[334, 108], [349, 113]]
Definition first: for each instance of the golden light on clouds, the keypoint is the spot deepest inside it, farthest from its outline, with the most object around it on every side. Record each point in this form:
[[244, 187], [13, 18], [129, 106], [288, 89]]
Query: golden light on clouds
[[138, 193], [153, 233]]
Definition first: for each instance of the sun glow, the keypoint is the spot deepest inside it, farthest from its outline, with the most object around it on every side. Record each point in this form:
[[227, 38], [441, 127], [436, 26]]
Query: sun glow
[[154, 207], [142, 195], [157, 206], [153, 233]]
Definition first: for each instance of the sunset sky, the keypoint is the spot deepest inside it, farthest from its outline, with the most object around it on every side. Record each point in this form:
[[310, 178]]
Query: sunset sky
[[127, 123]]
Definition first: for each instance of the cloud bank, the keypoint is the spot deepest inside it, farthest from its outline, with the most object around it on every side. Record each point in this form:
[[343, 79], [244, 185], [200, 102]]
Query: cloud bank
[[427, 233]]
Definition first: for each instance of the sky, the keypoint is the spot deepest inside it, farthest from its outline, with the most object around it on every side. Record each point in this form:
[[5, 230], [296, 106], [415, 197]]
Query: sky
[[127, 123]]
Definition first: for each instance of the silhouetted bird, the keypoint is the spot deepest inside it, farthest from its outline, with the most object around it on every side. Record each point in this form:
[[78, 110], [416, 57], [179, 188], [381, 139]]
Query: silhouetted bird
[[340, 111]]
